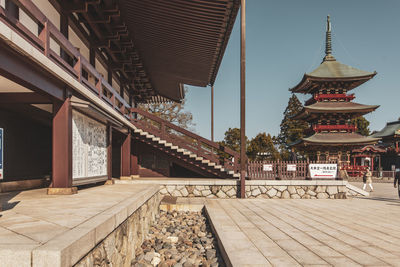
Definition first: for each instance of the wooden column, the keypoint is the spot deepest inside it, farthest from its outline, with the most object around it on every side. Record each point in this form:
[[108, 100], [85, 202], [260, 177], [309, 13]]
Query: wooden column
[[109, 152], [212, 113], [62, 149], [12, 9], [134, 160], [126, 156], [242, 98]]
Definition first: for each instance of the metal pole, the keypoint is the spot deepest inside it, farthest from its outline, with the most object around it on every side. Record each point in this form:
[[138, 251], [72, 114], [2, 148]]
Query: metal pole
[[212, 113], [242, 98]]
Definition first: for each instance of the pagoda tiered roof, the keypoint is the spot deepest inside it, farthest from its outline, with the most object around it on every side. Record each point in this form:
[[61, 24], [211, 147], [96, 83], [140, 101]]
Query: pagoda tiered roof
[[333, 107], [332, 70], [343, 139]]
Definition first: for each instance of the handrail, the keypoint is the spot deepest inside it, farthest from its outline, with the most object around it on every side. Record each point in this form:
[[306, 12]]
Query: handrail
[[337, 127], [213, 155], [42, 41]]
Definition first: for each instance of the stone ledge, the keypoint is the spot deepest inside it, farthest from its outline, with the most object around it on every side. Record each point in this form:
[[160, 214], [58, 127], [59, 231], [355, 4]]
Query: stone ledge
[[181, 181], [296, 182], [67, 248]]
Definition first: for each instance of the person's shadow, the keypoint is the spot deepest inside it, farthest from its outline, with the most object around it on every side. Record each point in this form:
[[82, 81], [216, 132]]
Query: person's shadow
[[5, 202]]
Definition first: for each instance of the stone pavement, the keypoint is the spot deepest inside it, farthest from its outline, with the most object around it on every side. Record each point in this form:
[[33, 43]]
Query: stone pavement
[[276, 232], [33, 223], [382, 191]]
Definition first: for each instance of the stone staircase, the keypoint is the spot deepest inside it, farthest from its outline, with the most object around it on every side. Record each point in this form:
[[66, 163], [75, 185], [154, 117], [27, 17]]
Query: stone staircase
[[206, 160]]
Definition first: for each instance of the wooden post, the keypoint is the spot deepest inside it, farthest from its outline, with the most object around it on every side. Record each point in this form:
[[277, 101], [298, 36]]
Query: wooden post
[[109, 152], [12, 9], [134, 160], [62, 150], [212, 113], [126, 156], [242, 98]]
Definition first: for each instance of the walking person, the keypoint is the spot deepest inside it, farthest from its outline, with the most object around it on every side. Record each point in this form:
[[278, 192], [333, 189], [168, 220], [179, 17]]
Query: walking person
[[397, 181], [367, 179]]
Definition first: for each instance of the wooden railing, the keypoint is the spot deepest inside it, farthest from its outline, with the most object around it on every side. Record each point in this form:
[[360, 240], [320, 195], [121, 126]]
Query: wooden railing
[[279, 170], [185, 139], [334, 127], [70, 59], [329, 97]]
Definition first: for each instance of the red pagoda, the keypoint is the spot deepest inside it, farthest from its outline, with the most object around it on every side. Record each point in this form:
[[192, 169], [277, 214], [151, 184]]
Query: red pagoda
[[329, 111]]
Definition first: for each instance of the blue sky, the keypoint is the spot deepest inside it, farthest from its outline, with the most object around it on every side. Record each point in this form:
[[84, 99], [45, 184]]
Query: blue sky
[[285, 39]]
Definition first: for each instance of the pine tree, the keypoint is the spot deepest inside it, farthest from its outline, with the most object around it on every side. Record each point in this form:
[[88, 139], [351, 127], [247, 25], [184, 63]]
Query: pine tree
[[291, 130], [362, 125], [262, 147]]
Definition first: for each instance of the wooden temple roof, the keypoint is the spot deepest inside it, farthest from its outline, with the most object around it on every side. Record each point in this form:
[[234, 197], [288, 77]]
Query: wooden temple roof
[[337, 139], [334, 107], [331, 70], [180, 42], [390, 130]]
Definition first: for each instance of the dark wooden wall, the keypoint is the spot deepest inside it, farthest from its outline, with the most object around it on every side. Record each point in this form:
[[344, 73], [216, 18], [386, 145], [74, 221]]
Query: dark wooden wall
[[27, 147]]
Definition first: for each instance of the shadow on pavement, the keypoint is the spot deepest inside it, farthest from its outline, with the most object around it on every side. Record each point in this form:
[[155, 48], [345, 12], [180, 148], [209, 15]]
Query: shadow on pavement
[[5, 201]]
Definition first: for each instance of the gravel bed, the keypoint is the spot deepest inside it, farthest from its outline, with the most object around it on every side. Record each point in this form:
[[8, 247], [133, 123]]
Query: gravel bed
[[179, 239]]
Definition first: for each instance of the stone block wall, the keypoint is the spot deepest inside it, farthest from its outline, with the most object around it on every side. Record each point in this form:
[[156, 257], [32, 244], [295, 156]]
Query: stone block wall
[[118, 248], [297, 191], [211, 191]]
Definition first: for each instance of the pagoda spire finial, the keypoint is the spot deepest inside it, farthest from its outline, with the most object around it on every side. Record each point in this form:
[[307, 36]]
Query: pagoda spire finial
[[328, 42]]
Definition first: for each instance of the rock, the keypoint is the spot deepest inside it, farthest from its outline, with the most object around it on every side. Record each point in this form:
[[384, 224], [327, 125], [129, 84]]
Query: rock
[[205, 193], [263, 189], [311, 193], [155, 261], [280, 188], [210, 253], [322, 195], [215, 189], [221, 194], [173, 239], [285, 194], [149, 256], [163, 191], [306, 197], [291, 189], [170, 188], [255, 192], [301, 192], [176, 193], [332, 190], [190, 189], [295, 196], [178, 265], [231, 192], [184, 192], [320, 189], [272, 192]]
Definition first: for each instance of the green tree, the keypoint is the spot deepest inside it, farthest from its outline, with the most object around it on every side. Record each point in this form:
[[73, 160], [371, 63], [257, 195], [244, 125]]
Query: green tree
[[291, 130], [262, 147], [362, 125], [171, 111], [232, 139]]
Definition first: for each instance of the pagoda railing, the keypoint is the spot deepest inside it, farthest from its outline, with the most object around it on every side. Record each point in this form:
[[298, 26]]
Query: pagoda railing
[[330, 97], [339, 127]]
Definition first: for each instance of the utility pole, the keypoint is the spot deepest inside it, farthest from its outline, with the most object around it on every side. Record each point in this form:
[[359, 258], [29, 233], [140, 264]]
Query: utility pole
[[242, 98]]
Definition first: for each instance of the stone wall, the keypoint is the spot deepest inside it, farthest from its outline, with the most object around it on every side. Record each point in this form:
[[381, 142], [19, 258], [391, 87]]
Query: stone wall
[[284, 189], [297, 191], [118, 248], [216, 191]]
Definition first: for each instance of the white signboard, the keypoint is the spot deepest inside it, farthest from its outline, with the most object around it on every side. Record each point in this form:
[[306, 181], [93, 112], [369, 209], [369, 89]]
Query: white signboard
[[89, 147], [323, 171], [291, 167], [1, 153], [267, 167]]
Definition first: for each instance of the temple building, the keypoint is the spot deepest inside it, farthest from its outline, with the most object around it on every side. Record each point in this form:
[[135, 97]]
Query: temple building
[[332, 135]]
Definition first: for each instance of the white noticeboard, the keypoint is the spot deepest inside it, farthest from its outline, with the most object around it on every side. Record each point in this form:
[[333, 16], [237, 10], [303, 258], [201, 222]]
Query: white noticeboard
[[323, 171], [1, 153], [267, 167], [89, 147], [291, 167]]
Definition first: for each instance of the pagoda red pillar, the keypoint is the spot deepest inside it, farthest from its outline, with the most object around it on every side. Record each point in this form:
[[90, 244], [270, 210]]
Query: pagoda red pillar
[[134, 160], [62, 149]]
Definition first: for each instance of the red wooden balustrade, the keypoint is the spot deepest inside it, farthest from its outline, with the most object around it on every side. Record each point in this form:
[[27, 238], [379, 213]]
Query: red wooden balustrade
[[329, 97], [77, 65], [185, 139], [334, 127]]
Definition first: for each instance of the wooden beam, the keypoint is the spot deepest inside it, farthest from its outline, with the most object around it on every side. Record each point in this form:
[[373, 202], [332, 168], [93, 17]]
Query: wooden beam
[[23, 98]]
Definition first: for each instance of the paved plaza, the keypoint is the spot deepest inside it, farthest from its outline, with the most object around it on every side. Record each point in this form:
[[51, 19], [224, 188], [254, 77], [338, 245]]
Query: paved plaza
[[352, 232]]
